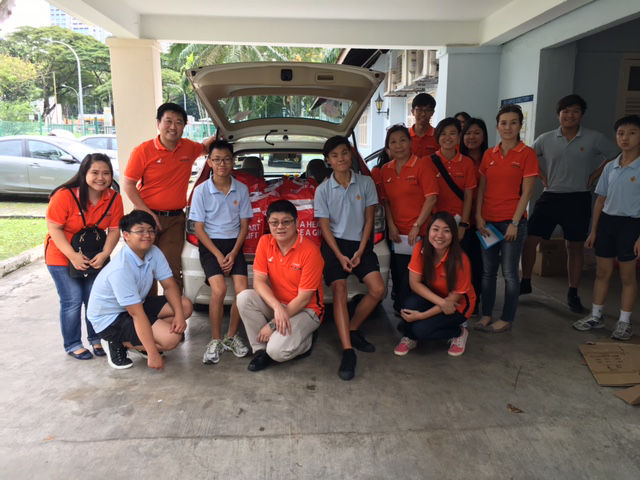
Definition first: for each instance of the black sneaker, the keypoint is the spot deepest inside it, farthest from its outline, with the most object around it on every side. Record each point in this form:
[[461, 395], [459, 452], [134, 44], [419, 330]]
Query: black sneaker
[[574, 303], [116, 355], [260, 361], [360, 343], [525, 286], [347, 368]]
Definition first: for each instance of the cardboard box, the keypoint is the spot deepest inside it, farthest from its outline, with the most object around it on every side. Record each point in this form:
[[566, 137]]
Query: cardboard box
[[613, 364], [551, 258], [630, 395]]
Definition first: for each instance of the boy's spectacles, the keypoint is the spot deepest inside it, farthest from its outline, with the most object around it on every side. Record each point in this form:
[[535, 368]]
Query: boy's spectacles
[[142, 233], [218, 161]]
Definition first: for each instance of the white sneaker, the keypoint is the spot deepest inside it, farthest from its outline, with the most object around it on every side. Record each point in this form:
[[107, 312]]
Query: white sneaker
[[623, 331], [588, 322], [213, 352], [235, 345]]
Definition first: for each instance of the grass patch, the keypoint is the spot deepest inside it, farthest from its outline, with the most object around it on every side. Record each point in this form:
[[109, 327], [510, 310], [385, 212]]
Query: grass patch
[[20, 234]]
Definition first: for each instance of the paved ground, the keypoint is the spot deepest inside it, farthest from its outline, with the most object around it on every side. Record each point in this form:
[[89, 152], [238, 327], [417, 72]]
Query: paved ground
[[425, 415]]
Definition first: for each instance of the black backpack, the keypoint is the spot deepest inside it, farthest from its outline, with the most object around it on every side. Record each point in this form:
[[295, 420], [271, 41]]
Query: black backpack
[[89, 241]]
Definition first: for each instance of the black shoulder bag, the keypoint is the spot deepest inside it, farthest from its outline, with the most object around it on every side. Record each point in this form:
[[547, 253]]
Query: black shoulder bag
[[89, 241], [447, 178]]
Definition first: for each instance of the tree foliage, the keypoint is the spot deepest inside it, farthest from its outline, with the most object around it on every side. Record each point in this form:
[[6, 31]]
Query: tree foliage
[[33, 45]]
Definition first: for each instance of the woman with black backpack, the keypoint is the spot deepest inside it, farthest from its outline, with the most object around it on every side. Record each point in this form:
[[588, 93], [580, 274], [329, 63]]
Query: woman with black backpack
[[84, 212]]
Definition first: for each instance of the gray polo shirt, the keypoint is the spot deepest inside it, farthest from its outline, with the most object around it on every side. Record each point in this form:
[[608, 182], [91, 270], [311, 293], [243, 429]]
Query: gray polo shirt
[[345, 207], [568, 164]]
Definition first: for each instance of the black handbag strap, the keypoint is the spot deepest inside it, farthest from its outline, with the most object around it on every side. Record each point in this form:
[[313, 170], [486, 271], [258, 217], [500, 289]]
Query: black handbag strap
[[447, 178], [84, 222]]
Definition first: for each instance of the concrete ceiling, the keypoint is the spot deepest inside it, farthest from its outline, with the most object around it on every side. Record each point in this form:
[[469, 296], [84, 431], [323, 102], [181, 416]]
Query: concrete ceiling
[[335, 23]]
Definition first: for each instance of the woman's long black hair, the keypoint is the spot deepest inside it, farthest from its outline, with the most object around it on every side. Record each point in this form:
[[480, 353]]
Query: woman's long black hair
[[454, 259], [80, 179], [485, 142]]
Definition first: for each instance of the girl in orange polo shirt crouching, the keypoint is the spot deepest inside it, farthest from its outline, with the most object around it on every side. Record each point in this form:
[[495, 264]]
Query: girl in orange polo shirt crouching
[[443, 297]]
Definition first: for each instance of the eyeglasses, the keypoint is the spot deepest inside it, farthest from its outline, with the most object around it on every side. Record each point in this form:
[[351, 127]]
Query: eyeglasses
[[142, 233], [422, 110], [218, 161], [284, 223]]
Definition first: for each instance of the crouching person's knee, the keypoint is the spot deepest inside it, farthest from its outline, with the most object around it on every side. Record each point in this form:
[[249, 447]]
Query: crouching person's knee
[[278, 353], [187, 307]]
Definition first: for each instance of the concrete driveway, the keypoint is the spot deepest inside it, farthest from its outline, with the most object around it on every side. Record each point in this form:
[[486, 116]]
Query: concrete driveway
[[425, 415]]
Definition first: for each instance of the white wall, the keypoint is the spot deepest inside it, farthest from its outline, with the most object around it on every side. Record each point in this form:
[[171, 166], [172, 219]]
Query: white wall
[[468, 82]]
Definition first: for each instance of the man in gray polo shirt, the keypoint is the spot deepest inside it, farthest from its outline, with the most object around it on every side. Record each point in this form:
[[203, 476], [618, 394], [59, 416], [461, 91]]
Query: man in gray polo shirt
[[571, 159]]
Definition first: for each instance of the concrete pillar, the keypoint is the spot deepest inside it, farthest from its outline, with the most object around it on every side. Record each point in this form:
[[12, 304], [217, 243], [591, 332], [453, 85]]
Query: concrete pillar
[[137, 92]]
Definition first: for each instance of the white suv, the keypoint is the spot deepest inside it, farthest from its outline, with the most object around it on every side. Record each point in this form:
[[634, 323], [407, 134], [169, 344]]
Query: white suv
[[281, 113]]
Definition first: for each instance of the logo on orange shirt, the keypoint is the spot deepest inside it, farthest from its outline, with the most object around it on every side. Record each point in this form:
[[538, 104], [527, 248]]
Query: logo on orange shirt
[[270, 259], [296, 266]]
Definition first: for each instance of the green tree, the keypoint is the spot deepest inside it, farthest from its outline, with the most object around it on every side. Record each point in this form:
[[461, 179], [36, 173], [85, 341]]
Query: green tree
[[33, 45], [17, 79]]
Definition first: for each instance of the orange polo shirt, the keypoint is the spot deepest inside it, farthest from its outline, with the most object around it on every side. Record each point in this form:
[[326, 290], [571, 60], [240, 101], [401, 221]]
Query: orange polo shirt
[[407, 190], [463, 173], [439, 284], [300, 270], [426, 144], [163, 174], [63, 210], [504, 180]]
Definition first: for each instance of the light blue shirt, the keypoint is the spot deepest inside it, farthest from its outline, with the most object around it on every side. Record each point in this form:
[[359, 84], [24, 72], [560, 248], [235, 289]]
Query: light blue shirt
[[124, 281], [621, 186], [220, 213], [568, 164], [345, 207]]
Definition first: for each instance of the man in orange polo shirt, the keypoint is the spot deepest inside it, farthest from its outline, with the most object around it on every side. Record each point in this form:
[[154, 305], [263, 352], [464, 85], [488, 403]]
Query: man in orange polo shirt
[[286, 305], [157, 177], [423, 140]]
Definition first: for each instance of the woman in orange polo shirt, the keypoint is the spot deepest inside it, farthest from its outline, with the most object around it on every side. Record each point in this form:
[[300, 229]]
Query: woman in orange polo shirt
[[409, 192], [507, 175], [443, 297], [92, 188], [474, 143]]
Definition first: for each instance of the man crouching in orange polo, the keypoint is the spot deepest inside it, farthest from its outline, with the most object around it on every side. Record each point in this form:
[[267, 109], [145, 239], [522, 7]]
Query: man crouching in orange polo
[[285, 307]]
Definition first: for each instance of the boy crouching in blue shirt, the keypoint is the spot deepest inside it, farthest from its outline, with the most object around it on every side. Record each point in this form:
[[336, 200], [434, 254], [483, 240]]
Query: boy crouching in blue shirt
[[221, 210], [345, 207], [119, 309], [615, 230]]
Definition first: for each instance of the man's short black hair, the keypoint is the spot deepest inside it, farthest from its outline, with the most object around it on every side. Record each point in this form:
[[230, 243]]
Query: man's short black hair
[[423, 100], [220, 145], [334, 142], [282, 206], [628, 120], [171, 107], [570, 100], [136, 217], [444, 123]]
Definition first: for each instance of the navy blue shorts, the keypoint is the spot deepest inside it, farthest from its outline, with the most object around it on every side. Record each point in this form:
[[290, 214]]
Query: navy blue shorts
[[210, 263], [123, 329], [616, 237], [333, 270]]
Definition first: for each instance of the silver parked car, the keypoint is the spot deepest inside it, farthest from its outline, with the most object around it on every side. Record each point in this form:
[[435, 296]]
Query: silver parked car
[[34, 165], [281, 114]]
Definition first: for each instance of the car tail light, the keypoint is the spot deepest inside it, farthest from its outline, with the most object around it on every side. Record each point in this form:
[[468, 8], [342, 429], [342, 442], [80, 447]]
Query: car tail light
[[379, 225], [190, 229]]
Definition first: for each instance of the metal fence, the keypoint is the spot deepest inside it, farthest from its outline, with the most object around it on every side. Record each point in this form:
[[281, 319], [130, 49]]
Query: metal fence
[[195, 132]]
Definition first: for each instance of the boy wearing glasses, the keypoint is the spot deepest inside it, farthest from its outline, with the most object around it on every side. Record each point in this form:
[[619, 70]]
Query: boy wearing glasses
[[345, 207], [423, 140], [221, 210], [122, 312], [286, 304]]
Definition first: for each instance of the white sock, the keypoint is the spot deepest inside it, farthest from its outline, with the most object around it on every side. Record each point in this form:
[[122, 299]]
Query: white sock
[[625, 317], [596, 310]]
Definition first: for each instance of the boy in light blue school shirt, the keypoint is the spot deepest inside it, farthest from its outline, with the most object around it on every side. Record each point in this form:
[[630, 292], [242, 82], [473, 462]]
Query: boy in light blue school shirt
[[221, 210], [119, 308], [615, 231], [344, 205]]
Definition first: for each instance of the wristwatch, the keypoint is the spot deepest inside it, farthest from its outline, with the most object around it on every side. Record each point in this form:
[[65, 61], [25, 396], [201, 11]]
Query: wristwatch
[[463, 224], [272, 325], [416, 225]]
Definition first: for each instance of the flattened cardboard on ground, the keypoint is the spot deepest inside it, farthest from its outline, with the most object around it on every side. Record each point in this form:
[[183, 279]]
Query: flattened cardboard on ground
[[630, 395], [613, 364]]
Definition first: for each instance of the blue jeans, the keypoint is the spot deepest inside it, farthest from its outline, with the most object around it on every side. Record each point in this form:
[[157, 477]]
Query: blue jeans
[[506, 254], [73, 292]]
